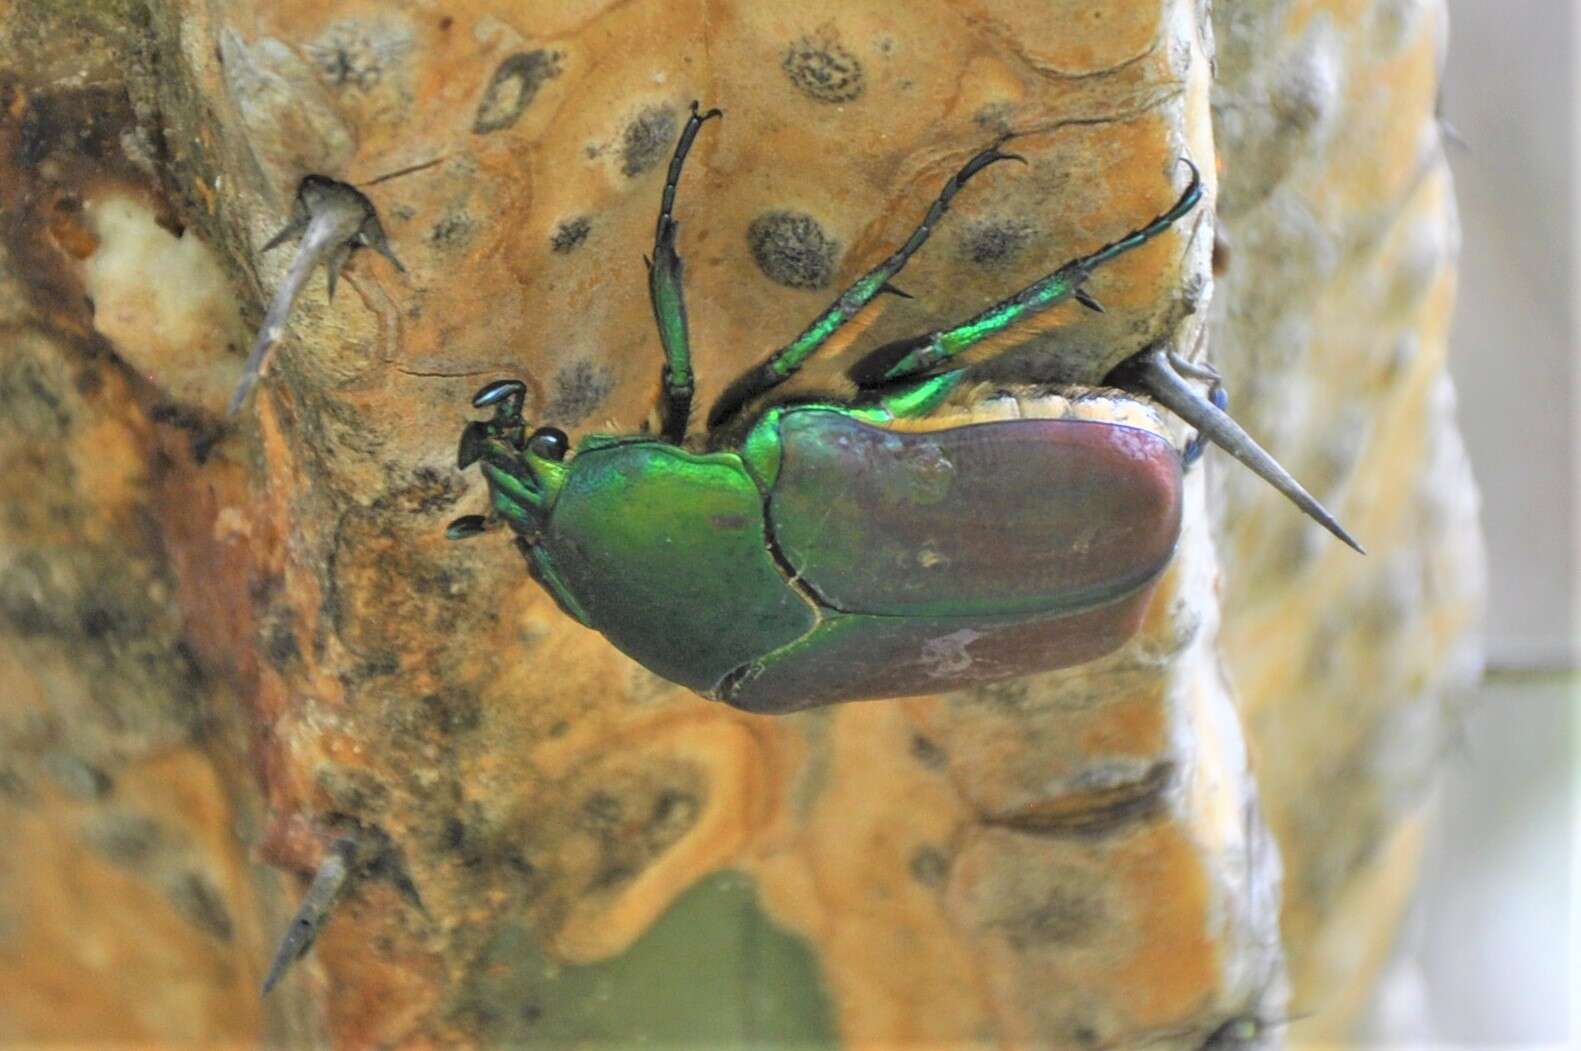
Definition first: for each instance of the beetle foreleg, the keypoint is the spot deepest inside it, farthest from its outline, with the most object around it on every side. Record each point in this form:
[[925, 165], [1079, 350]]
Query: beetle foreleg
[[669, 304], [784, 363], [1152, 373]]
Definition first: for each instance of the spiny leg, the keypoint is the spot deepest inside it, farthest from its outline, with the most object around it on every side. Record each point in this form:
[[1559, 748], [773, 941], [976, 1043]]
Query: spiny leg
[[669, 305], [332, 219], [912, 357], [1217, 396], [1220, 399], [1156, 373], [506, 397], [783, 363]]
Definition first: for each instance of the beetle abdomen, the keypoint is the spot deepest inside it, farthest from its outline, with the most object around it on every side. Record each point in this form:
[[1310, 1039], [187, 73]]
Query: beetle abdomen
[[1019, 516], [861, 656]]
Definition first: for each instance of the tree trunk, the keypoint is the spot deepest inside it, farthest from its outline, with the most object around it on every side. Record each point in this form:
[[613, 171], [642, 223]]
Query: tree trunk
[[231, 646]]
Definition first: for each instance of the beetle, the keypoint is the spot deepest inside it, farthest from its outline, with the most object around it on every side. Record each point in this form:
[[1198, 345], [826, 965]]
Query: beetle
[[809, 552]]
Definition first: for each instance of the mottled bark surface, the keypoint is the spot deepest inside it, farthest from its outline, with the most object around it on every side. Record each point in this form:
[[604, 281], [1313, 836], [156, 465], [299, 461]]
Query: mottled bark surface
[[226, 646], [1325, 116]]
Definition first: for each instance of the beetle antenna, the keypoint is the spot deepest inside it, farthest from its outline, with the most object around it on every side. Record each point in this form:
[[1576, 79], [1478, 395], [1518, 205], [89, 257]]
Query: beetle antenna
[[1151, 373], [322, 893]]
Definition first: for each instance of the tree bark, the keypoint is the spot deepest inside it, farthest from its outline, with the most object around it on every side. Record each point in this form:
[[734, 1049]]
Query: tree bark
[[230, 645]]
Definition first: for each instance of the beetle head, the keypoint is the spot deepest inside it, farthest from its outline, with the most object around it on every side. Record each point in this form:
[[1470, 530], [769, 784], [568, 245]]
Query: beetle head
[[525, 469]]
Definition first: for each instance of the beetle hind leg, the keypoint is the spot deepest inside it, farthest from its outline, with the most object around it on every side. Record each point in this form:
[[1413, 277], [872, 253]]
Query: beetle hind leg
[[922, 354], [784, 363]]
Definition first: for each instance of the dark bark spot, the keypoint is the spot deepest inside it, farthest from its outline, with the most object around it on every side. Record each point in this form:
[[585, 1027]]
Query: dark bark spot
[[578, 389], [823, 70], [512, 89], [995, 242], [570, 234], [197, 899], [646, 139], [792, 249]]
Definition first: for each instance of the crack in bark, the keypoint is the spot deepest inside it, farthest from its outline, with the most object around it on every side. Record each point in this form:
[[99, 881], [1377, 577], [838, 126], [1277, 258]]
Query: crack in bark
[[1097, 813]]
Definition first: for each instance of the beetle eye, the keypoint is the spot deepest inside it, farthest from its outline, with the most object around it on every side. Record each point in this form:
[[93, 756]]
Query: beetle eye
[[549, 443]]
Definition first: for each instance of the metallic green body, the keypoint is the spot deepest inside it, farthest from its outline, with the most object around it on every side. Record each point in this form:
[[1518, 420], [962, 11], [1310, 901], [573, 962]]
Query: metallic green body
[[836, 557], [665, 552]]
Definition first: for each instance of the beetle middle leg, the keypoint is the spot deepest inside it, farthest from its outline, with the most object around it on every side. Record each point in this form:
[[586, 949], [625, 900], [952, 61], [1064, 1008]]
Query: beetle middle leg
[[784, 362], [669, 304]]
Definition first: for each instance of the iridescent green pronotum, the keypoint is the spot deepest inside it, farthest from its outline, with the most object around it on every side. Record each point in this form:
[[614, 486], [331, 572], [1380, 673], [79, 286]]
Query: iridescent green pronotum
[[817, 552]]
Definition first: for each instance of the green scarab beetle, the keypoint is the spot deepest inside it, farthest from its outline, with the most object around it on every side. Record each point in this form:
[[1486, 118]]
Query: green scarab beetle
[[820, 552]]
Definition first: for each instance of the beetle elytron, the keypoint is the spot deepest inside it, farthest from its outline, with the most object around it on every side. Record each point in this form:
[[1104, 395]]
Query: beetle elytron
[[818, 552]]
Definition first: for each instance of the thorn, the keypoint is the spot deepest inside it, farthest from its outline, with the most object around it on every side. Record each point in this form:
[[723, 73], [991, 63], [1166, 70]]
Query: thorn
[[892, 290], [331, 219], [1085, 298], [334, 263], [290, 231], [371, 235], [322, 893], [1151, 373]]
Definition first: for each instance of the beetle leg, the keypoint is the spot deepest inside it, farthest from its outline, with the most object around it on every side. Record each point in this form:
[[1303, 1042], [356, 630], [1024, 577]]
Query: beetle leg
[[669, 303], [1197, 370], [784, 363], [916, 356], [467, 526], [332, 219], [1199, 441], [1152, 373], [507, 397], [322, 893]]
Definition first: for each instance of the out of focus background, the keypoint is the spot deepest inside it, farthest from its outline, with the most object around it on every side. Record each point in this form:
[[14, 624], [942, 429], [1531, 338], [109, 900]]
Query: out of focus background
[[1491, 955]]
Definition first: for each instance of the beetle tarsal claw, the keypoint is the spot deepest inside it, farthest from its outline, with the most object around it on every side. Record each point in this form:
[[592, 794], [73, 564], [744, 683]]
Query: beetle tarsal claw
[[507, 397], [466, 527], [1152, 373], [322, 893]]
